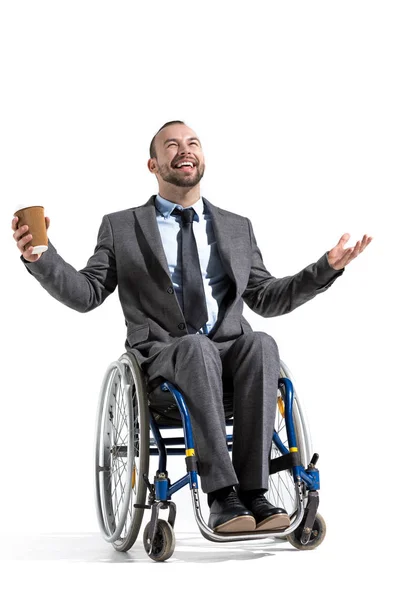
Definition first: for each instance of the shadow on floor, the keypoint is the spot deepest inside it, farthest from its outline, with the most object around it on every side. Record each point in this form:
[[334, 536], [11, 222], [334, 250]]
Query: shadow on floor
[[90, 547]]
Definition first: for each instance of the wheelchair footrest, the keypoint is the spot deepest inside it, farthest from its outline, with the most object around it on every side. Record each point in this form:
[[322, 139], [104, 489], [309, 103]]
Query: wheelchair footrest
[[286, 461]]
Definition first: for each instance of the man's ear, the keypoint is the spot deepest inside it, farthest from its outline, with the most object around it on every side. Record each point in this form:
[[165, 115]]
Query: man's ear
[[152, 165]]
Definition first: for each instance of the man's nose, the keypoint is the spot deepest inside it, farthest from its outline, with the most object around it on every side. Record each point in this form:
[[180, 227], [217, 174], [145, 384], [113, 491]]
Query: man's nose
[[184, 149]]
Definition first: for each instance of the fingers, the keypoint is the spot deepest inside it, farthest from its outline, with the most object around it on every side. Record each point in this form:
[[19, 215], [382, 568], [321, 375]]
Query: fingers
[[345, 238], [352, 253], [365, 241], [23, 237], [23, 243], [355, 251], [345, 258], [18, 231], [28, 255], [360, 246]]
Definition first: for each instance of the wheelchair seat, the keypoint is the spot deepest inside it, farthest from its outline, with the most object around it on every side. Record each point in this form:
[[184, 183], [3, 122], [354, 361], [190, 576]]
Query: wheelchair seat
[[164, 408]]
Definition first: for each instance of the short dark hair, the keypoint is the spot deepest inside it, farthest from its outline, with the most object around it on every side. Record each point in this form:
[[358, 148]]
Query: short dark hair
[[153, 153]]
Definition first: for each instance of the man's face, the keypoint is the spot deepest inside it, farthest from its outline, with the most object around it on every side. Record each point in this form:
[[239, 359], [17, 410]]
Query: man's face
[[177, 144]]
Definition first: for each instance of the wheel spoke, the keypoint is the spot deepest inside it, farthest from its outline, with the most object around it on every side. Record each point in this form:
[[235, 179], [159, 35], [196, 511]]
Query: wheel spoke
[[288, 489], [118, 476], [278, 496]]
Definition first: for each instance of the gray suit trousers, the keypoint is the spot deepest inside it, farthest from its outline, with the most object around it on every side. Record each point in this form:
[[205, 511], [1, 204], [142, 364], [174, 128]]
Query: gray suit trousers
[[198, 366]]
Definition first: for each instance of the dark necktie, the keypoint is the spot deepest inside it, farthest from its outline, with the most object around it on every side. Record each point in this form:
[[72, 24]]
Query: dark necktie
[[194, 300]]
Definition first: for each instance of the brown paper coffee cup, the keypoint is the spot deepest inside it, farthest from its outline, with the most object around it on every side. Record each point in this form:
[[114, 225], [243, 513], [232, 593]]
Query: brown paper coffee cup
[[33, 216]]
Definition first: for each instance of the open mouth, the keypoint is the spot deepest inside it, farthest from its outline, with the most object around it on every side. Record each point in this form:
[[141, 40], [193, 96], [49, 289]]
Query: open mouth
[[185, 166]]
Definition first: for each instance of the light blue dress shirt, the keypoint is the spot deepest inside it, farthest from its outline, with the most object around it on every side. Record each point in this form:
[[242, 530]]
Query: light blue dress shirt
[[215, 279]]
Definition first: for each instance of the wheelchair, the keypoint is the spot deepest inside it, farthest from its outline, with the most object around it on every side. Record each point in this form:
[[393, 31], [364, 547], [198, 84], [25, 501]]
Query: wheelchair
[[124, 444]]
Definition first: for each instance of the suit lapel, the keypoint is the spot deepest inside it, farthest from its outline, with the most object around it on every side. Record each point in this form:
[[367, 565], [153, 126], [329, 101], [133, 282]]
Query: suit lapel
[[146, 217], [228, 235]]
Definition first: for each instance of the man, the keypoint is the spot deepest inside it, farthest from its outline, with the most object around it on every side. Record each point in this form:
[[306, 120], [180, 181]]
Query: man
[[183, 269]]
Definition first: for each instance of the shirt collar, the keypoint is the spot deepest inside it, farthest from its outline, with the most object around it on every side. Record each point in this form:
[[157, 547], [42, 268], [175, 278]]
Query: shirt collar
[[165, 207]]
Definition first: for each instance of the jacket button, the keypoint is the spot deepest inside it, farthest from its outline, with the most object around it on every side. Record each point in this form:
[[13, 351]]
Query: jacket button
[[170, 290], [181, 326]]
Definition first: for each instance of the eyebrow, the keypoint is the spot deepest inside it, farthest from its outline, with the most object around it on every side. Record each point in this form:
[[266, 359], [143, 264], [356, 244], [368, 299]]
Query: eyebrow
[[175, 140]]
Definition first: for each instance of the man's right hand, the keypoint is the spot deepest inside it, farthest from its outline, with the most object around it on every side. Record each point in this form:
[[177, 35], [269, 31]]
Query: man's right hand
[[23, 237]]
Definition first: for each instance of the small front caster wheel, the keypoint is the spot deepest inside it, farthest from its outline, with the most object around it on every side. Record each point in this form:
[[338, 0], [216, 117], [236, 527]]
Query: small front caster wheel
[[317, 535], [164, 541]]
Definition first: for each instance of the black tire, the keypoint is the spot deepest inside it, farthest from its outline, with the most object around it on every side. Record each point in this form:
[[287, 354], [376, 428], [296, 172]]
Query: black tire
[[164, 541], [317, 535]]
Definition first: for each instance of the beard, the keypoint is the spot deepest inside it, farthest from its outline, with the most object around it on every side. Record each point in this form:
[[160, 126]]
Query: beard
[[171, 175]]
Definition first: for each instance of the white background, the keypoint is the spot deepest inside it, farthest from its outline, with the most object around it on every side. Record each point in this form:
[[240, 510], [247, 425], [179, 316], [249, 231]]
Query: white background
[[297, 107]]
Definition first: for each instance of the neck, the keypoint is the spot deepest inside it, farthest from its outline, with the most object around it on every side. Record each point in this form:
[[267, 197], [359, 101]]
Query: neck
[[180, 195]]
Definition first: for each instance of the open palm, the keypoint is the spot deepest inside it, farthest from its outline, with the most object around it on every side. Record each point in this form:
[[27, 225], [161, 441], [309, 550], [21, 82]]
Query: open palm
[[339, 257]]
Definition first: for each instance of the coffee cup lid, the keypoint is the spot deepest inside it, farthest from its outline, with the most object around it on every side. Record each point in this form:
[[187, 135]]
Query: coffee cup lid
[[22, 206]]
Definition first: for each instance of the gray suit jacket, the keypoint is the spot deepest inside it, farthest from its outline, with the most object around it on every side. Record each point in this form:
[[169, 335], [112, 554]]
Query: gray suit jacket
[[129, 253]]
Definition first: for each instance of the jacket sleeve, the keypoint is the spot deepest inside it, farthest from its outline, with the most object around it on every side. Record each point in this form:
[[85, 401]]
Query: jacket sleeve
[[270, 296], [81, 290]]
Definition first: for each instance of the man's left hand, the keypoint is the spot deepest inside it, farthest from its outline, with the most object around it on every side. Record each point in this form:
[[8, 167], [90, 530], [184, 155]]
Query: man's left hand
[[339, 257]]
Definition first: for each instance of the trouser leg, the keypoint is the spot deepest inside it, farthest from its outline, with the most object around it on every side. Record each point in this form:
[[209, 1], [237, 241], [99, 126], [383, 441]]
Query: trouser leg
[[194, 365], [252, 361]]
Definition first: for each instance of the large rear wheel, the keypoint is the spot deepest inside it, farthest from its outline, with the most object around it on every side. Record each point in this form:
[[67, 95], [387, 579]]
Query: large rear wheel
[[122, 452]]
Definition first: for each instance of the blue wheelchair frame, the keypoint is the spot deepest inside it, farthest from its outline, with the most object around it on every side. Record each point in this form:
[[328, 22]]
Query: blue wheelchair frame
[[306, 480]]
